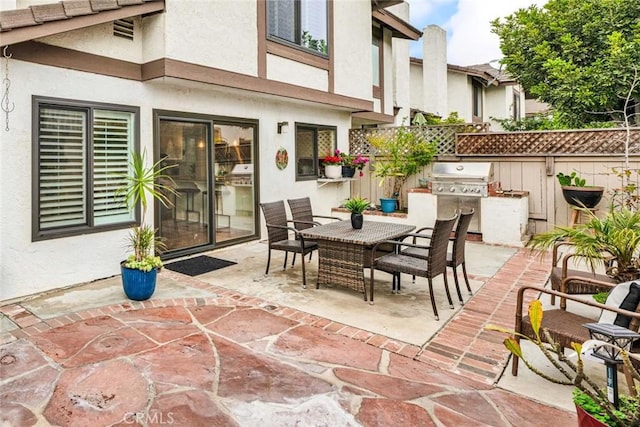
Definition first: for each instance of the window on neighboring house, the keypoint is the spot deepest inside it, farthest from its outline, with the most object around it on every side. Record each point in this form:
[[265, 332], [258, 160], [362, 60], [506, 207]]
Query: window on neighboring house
[[516, 106], [302, 23], [313, 143], [376, 62], [477, 100], [80, 151]]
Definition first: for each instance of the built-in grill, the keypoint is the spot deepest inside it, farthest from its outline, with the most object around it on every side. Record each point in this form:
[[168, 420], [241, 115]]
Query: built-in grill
[[461, 179], [460, 186], [242, 174]]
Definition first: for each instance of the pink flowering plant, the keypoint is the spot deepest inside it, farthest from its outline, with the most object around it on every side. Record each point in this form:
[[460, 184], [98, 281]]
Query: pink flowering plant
[[355, 161]]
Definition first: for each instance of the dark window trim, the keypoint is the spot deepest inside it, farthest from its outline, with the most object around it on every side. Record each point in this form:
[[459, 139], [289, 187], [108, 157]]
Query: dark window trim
[[475, 84], [316, 160], [36, 103], [292, 47], [379, 90]]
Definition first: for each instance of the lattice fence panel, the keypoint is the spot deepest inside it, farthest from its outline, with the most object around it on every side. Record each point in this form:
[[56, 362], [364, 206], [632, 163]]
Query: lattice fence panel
[[444, 135], [583, 142]]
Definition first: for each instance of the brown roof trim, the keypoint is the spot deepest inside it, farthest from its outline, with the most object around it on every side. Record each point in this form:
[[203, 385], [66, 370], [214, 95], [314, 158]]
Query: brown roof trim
[[374, 117], [400, 28], [182, 70], [37, 21], [44, 54]]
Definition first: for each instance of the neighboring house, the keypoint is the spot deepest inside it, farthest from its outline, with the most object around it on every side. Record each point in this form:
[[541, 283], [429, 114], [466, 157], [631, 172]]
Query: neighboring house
[[477, 92], [242, 98]]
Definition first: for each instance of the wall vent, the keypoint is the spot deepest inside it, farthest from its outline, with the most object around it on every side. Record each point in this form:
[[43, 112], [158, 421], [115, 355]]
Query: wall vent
[[123, 28]]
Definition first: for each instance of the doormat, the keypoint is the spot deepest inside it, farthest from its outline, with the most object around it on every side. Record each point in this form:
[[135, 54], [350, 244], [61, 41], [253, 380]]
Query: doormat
[[198, 265]]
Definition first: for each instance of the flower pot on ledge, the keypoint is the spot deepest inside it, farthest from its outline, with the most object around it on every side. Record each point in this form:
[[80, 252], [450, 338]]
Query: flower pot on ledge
[[333, 171], [387, 205], [348, 171]]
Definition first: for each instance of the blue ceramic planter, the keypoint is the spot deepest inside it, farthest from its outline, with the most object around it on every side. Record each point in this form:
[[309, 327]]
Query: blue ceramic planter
[[138, 285], [388, 205]]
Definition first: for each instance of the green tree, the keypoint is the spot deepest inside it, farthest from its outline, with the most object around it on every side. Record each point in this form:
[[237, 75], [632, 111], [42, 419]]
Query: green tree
[[579, 56]]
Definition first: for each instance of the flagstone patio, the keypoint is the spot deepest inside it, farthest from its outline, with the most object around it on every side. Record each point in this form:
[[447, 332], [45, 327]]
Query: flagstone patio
[[202, 353]]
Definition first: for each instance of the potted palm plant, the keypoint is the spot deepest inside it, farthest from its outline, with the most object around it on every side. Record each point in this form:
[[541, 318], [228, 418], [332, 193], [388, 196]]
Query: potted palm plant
[[142, 183], [403, 155], [356, 205]]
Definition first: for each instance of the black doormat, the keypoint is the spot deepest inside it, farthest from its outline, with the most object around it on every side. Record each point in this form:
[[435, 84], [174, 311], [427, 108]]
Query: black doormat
[[198, 265]]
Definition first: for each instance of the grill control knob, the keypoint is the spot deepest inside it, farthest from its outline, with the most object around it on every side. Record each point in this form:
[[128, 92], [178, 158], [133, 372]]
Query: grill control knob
[[452, 190], [477, 190], [440, 189], [465, 189]]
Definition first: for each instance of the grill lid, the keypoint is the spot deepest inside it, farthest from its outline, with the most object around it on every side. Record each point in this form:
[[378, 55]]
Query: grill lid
[[461, 171]]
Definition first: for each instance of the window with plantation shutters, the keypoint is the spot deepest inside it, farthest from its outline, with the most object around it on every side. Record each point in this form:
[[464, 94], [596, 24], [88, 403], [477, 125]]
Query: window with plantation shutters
[[111, 147], [82, 150]]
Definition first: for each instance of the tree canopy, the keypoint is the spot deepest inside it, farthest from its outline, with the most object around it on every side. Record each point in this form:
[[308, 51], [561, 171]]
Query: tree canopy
[[580, 56]]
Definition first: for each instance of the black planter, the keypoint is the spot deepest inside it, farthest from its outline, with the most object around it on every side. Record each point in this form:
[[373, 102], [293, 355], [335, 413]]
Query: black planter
[[357, 219], [348, 172], [579, 196]]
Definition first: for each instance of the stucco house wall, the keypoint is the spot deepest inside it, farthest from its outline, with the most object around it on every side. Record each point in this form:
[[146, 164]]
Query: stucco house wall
[[193, 32]]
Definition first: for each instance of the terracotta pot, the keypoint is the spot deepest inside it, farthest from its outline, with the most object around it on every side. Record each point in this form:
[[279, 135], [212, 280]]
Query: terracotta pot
[[586, 420]]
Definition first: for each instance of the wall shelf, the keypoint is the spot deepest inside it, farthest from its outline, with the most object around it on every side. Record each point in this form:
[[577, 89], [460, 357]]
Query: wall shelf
[[324, 181]]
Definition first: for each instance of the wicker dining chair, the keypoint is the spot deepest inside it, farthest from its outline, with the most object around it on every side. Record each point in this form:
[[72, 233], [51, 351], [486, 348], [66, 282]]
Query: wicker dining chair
[[583, 282], [456, 256], [303, 216], [565, 327], [433, 265], [278, 231]]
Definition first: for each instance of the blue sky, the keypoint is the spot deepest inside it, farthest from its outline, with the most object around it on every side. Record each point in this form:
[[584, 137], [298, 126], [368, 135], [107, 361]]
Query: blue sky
[[469, 37]]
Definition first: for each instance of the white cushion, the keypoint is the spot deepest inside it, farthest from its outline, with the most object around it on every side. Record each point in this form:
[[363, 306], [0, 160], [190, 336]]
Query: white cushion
[[626, 296]]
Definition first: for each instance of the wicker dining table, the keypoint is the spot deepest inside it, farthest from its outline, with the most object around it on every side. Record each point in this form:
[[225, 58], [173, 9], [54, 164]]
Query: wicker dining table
[[344, 252]]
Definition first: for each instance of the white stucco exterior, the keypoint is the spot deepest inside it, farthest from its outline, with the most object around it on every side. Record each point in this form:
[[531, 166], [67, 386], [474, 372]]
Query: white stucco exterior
[[221, 35]]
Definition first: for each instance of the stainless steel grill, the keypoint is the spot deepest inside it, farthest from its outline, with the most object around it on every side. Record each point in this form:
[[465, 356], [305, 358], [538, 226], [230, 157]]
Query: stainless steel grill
[[460, 186], [461, 179]]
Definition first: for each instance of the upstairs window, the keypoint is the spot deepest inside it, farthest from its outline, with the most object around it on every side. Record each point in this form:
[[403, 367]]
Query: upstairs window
[[516, 106], [302, 23], [80, 149], [376, 62], [477, 101]]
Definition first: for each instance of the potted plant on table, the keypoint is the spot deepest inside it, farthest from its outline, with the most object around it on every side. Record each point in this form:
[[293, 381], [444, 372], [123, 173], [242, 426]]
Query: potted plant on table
[[577, 193], [356, 205], [403, 155], [591, 400], [140, 269], [332, 166]]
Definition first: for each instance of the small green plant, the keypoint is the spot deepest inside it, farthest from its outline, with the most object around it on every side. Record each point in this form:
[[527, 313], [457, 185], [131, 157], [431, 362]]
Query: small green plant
[[356, 205], [571, 180]]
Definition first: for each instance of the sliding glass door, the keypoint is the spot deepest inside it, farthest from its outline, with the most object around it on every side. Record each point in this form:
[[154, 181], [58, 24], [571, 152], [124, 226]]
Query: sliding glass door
[[211, 163]]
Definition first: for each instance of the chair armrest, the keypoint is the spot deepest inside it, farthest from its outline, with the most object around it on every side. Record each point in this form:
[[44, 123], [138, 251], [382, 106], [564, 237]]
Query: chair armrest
[[556, 254], [422, 229], [415, 236], [328, 217], [571, 297], [303, 222], [396, 244]]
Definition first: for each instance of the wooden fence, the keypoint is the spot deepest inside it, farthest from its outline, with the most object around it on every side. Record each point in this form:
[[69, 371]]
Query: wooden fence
[[529, 161]]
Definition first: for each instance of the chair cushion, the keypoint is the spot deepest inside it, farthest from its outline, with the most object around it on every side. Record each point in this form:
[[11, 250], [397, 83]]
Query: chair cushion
[[626, 296], [294, 246]]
